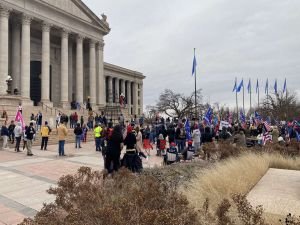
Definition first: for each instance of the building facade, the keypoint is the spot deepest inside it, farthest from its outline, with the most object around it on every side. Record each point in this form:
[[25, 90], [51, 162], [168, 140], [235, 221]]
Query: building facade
[[53, 50]]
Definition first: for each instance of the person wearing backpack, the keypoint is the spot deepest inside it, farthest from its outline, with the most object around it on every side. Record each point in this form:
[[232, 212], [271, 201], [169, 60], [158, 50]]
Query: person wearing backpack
[[180, 137], [45, 132]]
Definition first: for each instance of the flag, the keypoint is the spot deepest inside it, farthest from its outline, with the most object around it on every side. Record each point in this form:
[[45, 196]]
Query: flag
[[267, 137], [187, 129], [19, 118], [194, 65], [230, 118], [242, 117], [297, 136], [284, 86], [267, 87], [257, 118], [208, 116], [275, 86], [234, 87], [257, 86], [240, 86], [267, 126], [249, 87]]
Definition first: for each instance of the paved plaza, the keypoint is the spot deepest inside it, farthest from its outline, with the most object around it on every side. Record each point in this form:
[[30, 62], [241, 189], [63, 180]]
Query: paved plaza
[[278, 191], [24, 180]]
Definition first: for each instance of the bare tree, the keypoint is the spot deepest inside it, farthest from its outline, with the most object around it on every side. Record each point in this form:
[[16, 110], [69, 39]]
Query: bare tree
[[280, 106], [179, 105]]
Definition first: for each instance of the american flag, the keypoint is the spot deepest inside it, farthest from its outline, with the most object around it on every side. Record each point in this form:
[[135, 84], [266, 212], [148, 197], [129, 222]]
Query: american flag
[[267, 126], [267, 137]]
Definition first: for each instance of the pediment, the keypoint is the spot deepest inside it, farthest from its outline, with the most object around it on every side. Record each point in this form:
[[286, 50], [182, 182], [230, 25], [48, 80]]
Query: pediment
[[78, 9]]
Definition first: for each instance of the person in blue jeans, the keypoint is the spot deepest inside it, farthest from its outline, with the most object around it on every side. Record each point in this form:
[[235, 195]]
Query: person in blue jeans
[[78, 132], [62, 133]]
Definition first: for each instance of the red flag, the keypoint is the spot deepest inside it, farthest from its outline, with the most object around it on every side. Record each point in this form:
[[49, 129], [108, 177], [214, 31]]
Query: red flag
[[19, 118]]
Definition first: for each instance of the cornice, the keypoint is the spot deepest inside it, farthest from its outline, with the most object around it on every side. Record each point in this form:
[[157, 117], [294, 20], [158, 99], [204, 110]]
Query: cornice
[[124, 71]]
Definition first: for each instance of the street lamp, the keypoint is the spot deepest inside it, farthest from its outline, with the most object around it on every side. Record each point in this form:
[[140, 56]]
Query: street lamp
[[9, 83]]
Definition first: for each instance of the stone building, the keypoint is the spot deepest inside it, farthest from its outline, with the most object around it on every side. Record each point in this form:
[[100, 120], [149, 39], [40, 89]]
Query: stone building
[[53, 50]]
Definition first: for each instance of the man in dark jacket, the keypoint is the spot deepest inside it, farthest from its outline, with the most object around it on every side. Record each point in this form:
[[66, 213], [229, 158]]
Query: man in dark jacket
[[30, 132], [78, 133], [11, 133]]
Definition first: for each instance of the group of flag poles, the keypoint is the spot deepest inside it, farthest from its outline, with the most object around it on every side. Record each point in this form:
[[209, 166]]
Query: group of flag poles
[[237, 89]]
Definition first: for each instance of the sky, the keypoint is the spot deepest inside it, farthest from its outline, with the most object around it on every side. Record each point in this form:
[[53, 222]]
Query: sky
[[256, 39]]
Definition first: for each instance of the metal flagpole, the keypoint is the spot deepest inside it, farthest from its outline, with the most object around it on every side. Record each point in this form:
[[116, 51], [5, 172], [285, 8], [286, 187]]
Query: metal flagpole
[[236, 100], [250, 96], [243, 98], [195, 88], [258, 98]]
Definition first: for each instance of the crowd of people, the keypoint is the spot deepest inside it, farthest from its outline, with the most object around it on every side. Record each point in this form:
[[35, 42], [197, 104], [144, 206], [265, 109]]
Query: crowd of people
[[175, 136]]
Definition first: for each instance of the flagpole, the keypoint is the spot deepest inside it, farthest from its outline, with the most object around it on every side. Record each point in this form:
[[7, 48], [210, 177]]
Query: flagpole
[[243, 98], [258, 98], [286, 97], [250, 96], [236, 100], [195, 88]]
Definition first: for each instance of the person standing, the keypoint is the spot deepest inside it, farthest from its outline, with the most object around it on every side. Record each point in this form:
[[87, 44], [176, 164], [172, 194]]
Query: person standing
[[30, 132], [18, 135], [114, 148], [11, 134], [45, 132], [39, 120], [62, 133], [78, 133], [4, 135], [139, 142], [196, 135], [97, 135], [20, 108], [81, 121]]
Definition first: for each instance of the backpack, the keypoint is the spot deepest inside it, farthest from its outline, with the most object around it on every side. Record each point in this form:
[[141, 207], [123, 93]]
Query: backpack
[[182, 133]]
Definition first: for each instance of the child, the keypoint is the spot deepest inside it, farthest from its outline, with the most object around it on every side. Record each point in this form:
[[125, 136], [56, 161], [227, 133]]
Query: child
[[189, 148]]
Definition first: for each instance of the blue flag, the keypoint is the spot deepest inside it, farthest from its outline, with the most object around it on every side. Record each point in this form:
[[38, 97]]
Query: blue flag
[[194, 65], [242, 117], [257, 116], [234, 87], [267, 86], [257, 86], [187, 129], [275, 86], [249, 87], [240, 86], [284, 86], [297, 136], [208, 116]]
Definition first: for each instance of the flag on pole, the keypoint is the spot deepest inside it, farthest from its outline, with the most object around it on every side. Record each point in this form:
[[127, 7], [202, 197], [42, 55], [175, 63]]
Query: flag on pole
[[187, 129], [267, 138], [249, 86], [194, 65], [234, 87], [267, 86], [240, 86], [242, 117], [19, 118], [208, 116], [257, 86], [275, 86], [284, 86], [267, 126], [257, 118]]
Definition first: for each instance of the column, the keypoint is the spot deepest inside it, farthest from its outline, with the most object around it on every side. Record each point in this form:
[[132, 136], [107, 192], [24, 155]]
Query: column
[[79, 69], [101, 79], [93, 83], [117, 88], [141, 98], [25, 57], [128, 96], [45, 63], [16, 55], [110, 90], [71, 79], [123, 87], [64, 70], [135, 98], [4, 15]]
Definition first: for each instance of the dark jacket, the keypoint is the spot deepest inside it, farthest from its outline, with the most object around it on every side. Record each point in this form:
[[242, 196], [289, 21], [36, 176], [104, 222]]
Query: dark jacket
[[30, 133], [78, 131], [130, 141], [4, 131]]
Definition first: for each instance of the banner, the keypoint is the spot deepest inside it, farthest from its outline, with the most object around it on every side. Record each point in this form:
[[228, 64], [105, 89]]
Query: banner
[[19, 118]]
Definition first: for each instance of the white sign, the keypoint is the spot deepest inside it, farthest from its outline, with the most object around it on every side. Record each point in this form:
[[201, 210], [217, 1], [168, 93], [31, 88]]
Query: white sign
[[223, 124]]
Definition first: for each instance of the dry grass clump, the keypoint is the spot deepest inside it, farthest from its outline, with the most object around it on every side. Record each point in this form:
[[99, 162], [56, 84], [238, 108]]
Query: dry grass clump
[[236, 175], [126, 199]]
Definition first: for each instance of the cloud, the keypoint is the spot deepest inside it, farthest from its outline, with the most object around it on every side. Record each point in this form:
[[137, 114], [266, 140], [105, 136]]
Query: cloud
[[244, 39]]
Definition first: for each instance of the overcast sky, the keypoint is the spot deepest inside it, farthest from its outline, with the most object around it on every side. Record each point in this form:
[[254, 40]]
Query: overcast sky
[[233, 38]]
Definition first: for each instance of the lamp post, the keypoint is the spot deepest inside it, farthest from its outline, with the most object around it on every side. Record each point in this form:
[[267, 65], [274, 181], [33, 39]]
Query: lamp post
[[9, 83]]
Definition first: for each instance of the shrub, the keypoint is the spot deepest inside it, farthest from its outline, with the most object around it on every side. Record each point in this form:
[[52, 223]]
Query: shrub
[[87, 198]]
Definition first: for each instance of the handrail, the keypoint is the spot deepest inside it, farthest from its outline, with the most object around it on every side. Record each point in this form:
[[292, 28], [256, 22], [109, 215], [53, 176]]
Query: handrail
[[46, 106]]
